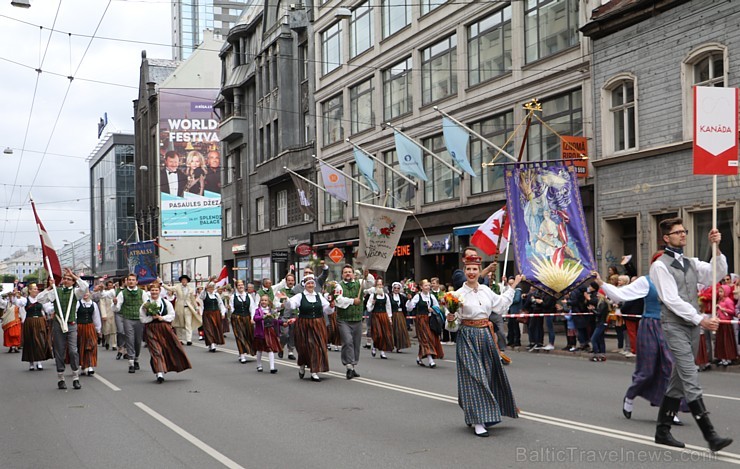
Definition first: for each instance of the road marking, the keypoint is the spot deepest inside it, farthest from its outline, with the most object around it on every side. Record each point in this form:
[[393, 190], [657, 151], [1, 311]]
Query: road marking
[[106, 382], [723, 397], [192, 439]]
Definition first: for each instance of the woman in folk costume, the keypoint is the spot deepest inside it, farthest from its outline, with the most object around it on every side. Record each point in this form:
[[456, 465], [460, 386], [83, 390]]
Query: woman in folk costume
[[379, 308], [89, 328], [401, 338], [726, 343], [105, 304], [334, 339], [483, 388], [265, 334], [187, 314], [225, 294], [421, 306], [310, 330], [213, 313], [242, 312], [11, 326], [167, 353], [36, 338]]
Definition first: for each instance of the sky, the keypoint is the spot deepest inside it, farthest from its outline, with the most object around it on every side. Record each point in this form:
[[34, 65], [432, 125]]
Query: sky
[[50, 161]]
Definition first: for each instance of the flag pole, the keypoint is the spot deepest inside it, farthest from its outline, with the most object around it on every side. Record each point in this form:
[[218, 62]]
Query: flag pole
[[434, 155], [307, 180], [59, 317], [475, 134], [395, 171], [714, 247], [359, 183]]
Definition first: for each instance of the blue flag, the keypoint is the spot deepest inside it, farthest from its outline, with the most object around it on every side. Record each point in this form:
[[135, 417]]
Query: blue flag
[[409, 157], [456, 139], [366, 167]]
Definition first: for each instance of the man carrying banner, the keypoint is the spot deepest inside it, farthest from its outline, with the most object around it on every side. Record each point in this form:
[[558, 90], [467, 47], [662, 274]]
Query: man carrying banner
[[186, 312], [349, 316], [65, 337], [128, 302]]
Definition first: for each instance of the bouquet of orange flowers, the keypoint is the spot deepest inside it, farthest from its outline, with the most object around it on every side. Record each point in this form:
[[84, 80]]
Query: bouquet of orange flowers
[[454, 301]]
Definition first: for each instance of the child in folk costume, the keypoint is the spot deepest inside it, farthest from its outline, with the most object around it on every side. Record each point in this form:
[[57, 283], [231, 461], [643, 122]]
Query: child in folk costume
[[379, 308], [334, 339], [214, 312], [11, 326], [167, 353], [482, 384], [242, 312], [36, 339], [89, 328], [726, 344], [421, 305], [265, 337]]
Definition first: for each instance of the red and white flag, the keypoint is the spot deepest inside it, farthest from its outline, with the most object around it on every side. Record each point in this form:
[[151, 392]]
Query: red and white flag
[[47, 248], [493, 235], [223, 277], [715, 130]]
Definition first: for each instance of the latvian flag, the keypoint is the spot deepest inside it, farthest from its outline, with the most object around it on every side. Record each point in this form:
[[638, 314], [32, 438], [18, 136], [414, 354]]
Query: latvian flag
[[48, 249], [223, 277]]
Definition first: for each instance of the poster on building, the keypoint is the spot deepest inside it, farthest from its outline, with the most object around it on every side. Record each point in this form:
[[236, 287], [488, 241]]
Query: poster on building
[[190, 163], [380, 230], [142, 261], [715, 130]]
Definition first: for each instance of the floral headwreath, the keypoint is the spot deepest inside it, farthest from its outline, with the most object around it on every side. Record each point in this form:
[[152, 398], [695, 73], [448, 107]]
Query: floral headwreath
[[472, 260]]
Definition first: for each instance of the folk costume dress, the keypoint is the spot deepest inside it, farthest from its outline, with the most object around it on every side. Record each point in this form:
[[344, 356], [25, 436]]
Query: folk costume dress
[[401, 339], [242, 311], [167, 353], [36, 338], [379, 307], [726, 343], [310, 330], [484, 393], [11, 326], [429, 343], [213, 314], [265, 336], [109, 321], [88, 328]]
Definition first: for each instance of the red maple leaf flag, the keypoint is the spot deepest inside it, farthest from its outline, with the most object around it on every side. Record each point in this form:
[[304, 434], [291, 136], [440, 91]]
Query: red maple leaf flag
[[493, 235], [223, 277], [47, 248]]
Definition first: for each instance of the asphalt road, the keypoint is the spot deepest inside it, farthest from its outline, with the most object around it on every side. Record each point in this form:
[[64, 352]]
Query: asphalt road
[[398, 415]]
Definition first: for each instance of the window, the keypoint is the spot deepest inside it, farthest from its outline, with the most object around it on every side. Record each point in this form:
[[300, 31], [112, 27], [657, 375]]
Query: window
[[331, 48], [396, 15], [489, 47], [333, 111], [260, 269], [359, 194], [549, 27], [303, 57], [443, 183], [397, 91], [705, 66], [333, 209], [439, 70], [361, 106], [228, 227], [238, 163], [401, 191], [260, 211], [564, 114], [281, 208], [497, 129], [240, 223], [709, 70], [229, 168], [361, 29], [429, 5], [622, 114], [702, 226]]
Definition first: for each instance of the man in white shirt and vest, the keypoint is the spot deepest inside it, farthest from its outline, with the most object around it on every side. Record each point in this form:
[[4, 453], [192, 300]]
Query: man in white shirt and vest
[[128, 302]]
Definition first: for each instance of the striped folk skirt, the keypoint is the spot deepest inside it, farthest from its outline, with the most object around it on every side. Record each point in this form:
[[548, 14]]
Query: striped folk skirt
[[725, 348], [167, 353], [243, 333], [36, 341], [333, 330], [484, 393], [268, 343], [381, 331], [702, 356], [87, 345], [310, 342], [213, 327], [401, 338], [428, 340]]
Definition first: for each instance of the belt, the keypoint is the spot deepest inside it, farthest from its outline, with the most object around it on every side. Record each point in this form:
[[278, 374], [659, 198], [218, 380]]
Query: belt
[[71, 323]]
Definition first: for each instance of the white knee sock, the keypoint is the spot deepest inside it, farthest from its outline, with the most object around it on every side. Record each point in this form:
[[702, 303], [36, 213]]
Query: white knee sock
[[479, 429], [628, 404], [259, 358], [271, 356], [431, 360]]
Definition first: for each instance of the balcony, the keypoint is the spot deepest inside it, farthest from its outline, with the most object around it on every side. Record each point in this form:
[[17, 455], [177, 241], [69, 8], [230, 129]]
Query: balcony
[[232, 128]]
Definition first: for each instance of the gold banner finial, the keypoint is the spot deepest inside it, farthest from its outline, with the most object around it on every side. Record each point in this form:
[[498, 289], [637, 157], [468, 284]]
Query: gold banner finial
[[533, 105]]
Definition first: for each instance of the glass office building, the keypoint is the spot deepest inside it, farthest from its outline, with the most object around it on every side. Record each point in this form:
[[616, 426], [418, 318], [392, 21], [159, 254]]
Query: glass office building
[[191, 17]]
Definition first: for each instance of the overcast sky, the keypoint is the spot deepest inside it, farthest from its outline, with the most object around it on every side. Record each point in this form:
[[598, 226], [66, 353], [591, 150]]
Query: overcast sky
[[59, 178]]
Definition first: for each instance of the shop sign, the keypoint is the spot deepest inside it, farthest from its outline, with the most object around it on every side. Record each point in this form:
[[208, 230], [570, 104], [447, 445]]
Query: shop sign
[[575, 149], [336, 255], [278, 256], [437, 244], [237, 248], [402, 250], [303, 250]]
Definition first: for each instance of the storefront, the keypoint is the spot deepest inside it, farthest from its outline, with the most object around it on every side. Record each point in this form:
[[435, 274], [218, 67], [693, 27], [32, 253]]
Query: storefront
[[402, 264], [337, 254], [439, 257]]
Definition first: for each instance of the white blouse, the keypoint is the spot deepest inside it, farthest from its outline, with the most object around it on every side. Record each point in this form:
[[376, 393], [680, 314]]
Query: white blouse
[[294, 302], [479, 303], [168, 316]]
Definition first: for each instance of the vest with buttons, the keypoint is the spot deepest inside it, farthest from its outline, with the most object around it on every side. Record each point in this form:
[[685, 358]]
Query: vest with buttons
[[35, 310], [308, 310], [64, 297], [241, 308], [210, 304], [352, 313], [132, 301], [686, 279], [85, 313], [379, 306]]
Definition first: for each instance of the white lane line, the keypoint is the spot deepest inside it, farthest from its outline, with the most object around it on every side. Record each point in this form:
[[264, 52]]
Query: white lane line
[[717, 396], [192, 439], [106, 382]]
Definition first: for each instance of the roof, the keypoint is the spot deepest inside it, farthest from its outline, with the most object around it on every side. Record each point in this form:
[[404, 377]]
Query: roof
[[160, 69], [613, 7], [617, 15]]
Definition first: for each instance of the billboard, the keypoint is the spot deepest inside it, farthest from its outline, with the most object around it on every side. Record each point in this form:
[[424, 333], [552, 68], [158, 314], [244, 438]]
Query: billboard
[[189, 163]]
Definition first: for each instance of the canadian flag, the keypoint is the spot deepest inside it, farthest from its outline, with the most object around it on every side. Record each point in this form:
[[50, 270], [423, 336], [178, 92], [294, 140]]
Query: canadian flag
[[223, 277], [493, 235], [47, 249]]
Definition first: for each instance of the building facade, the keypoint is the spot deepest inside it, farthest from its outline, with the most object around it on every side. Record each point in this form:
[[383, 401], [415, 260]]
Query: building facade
[[23, 262], [76, 255], [480, 62], [191, 17], [647, 56]]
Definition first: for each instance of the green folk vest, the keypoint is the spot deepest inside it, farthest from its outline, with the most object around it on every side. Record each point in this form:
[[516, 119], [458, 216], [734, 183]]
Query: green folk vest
[[308, 310], [267, 292], [132, 301], [64, 296], [241, 308], [85, 314], [686, 279], [352, 313], [35, 310]]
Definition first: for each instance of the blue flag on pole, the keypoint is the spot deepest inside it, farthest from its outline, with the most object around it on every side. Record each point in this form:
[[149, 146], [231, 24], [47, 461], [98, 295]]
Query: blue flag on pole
[[366, 167], [456, 139], [409, 157]]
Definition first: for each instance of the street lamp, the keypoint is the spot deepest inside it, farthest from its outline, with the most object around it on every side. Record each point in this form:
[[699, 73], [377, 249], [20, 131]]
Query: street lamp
[[74, 264], [21, 3], [8, 151]]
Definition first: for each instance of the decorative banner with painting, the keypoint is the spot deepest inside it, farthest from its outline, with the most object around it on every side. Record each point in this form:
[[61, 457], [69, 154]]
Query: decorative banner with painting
[[190, 163]]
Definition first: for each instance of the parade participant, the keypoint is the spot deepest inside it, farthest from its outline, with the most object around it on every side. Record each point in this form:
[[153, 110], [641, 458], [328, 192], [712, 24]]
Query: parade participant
[[676, 278], [421, 306], [348, 301], [89, 328], [310, 330], [167, 353], [65, 343], [252, 294], [267, 290], [265, 337], [379, 307], [120, 332], [726, 342], [128, 302], [242, 312], [11, 326], [514, 336], [213, 313], [36, 339], [107, 316], [401, 338], [483, 387], [284, 290], [225, 293], [334, 340], [186, 310]]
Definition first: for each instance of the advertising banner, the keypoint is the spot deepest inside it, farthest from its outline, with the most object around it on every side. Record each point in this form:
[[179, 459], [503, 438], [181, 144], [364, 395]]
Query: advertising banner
[[715, 130], [142, 261], [190, 163]]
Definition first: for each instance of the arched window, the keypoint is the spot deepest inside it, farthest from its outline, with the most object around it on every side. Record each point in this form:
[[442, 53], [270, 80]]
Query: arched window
[[619, 110], [704, 66]]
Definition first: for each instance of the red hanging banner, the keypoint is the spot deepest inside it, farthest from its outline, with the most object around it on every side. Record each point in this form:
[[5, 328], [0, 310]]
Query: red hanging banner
[[715, 130]]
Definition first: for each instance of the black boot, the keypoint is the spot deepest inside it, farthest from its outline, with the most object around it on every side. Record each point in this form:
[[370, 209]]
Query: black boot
[[701, 415], [668, 409]]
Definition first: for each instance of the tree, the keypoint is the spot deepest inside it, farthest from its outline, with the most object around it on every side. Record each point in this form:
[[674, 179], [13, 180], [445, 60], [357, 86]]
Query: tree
[[8, 278]]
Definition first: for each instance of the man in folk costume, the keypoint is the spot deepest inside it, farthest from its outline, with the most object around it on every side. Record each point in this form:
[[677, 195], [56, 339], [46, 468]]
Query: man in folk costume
[[348, 301], [118, 317], [186, 311], [11, 326], [65, 312], [285, 289], [128, 302], [483, 388], [675, 278], [108, 316]]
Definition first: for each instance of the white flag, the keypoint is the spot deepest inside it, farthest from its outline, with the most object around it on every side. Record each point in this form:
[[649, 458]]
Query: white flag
[[380, 230], [334, 182]]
